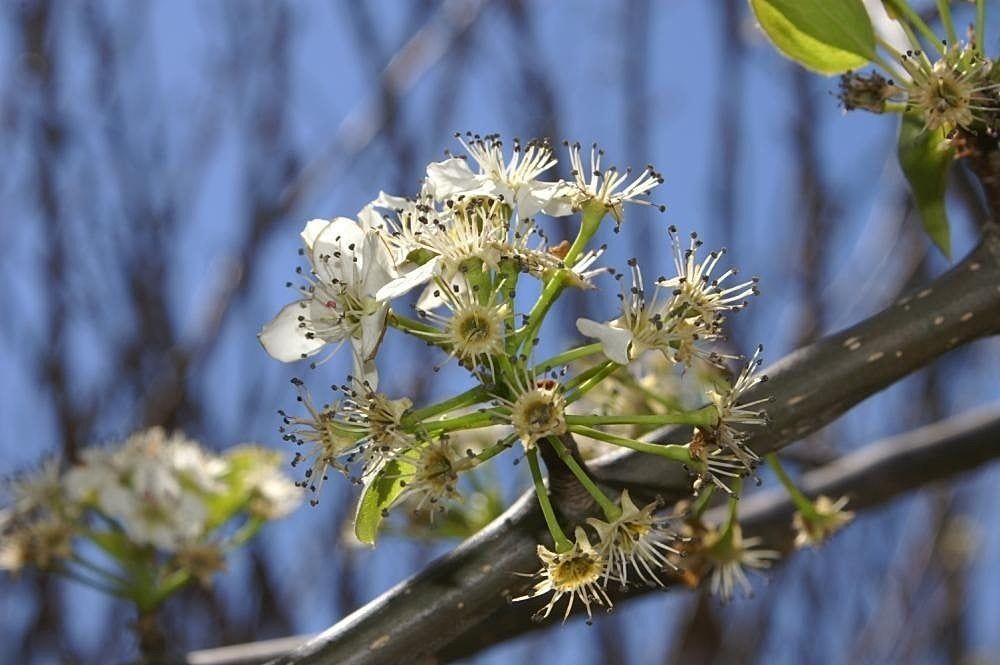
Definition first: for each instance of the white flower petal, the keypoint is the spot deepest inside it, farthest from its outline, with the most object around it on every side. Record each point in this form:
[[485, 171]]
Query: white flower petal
[[343, 236], [431, 298], [372, 331], [284, 339], [378, 264], [312, 230], [556, 198], [370, 219], [365, 371], [887, 28], [411, 280], [615, 341], [451, 177]]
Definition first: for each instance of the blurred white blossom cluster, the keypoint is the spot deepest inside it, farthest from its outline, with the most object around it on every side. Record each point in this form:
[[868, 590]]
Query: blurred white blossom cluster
[[467, 244], [142, 519]]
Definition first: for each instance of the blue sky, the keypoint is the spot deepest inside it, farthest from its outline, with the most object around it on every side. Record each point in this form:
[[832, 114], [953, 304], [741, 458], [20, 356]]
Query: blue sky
[[583, 51]]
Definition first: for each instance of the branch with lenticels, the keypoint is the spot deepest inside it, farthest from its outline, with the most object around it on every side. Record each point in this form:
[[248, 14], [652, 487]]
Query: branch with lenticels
[[465, 592]]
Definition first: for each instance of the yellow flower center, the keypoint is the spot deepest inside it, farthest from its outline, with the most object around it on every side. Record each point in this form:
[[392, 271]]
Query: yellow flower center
[[575, 570]]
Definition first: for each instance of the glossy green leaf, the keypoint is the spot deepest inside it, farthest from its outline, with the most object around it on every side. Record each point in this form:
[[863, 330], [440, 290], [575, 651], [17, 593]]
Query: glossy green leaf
[[376, 498], [826, 36], [925, 157]]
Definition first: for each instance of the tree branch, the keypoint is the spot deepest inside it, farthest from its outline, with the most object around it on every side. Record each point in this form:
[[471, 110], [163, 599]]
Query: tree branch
[[811, 387], [871, 477]]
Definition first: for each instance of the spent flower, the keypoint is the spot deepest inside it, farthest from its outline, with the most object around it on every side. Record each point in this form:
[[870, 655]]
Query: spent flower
[[813, 527], [576, 574]]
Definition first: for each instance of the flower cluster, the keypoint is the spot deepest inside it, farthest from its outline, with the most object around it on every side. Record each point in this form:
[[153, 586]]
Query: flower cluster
[[635, 542], [952, 86], [161, 509], [465, 246]]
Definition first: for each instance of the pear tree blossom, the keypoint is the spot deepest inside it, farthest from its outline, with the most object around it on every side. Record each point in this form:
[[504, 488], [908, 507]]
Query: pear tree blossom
[[472, 237]]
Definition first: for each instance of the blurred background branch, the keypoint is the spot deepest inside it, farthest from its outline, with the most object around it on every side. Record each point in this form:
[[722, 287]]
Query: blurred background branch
[[160, 158]]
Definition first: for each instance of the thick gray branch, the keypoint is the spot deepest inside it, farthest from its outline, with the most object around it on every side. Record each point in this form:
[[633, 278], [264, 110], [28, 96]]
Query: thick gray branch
[[870, 477], [427, 613]]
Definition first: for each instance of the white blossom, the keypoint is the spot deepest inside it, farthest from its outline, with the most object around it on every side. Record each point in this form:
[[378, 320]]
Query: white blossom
[[513, 181], [607, 187], [575, 574], [348, 267]]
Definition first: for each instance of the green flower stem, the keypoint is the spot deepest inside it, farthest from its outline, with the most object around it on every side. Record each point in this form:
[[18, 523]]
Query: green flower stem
[[611, 510], [590, 221], [895, 107], [496, 449], [468, 398], [567, 357], [886, 65], [704, 417], [562, 543], [944, 11], [670, 451], [408, 325], [800, 500], [247, 531], [590, 379], [701, 503], [509, 285], [480, 282], [103, 573], [170, 585], [981, 25], [77, 576], [585, 375], [733, 517], [476, 420], [541, 307], [902, 7]]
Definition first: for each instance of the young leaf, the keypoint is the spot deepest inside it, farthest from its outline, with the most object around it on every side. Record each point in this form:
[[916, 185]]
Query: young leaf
[[377, 496], [826, 36], [925, 157]]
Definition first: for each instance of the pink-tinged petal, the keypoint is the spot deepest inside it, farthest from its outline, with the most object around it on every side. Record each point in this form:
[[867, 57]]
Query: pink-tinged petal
[[285, 339], [614, 341], [411, 280], [312, 230], [450, 177]]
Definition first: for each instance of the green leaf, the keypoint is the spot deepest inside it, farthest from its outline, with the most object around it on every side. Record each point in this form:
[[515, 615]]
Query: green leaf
[[925, 157], [377, 496], [826, 36]]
